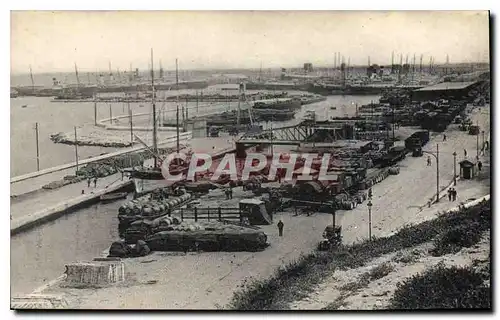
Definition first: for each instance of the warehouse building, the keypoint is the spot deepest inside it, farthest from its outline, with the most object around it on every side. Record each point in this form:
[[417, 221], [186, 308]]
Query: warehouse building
[[445, 90]]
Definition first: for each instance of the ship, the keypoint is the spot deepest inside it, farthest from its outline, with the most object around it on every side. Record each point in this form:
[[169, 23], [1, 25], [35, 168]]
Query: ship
[[277, 104], [73, 94], [273, 115]]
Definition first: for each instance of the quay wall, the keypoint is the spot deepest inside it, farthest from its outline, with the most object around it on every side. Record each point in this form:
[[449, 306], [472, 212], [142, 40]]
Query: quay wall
[[32, 220], [183, 137]]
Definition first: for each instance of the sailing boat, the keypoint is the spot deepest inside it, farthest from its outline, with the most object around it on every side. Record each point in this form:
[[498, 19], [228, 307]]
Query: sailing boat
[[148, 179]]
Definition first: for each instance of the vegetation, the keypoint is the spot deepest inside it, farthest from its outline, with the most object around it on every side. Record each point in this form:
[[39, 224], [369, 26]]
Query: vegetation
[[297, 279], [443, 288], [457, 238]]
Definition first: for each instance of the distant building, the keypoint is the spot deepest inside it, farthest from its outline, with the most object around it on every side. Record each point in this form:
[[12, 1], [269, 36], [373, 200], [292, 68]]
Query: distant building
[[444, 90], [308, 67]]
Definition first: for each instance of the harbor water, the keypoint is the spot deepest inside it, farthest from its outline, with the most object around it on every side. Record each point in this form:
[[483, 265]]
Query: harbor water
[[54, 117]]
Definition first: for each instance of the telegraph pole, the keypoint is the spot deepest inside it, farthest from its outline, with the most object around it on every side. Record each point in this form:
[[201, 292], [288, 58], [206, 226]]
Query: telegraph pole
[[110, 114], [437, 172], [454, 168], [37, 149], [370, 219], [76, 150], [197, 110], [95, 110], [131, 124], [177, 126], [477, 142]]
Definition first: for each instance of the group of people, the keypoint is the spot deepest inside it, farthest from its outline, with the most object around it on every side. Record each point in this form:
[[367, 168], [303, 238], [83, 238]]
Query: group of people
[[89, 180], [452, 194]]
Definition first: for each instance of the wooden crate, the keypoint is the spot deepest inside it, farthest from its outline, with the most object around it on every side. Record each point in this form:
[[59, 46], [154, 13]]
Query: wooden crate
[[37, 301], [95, 273]]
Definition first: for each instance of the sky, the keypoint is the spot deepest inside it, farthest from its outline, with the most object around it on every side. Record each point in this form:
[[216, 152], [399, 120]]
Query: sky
[[53, 41]]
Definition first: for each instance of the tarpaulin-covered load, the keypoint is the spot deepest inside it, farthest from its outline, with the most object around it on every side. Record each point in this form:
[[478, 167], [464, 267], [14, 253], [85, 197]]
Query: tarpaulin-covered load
[[140, 229], [209, 236], [144, 207]]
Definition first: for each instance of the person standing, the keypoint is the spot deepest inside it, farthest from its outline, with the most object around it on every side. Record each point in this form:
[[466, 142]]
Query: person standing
[[95, 182], [280, 228], [479, 165], [449, 194], [88, 182], [465, 153], [454, 194], [444, 137], [429, 161]]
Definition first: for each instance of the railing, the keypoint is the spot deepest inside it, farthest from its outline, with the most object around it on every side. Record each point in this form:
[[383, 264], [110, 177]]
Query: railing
[[214, 214]]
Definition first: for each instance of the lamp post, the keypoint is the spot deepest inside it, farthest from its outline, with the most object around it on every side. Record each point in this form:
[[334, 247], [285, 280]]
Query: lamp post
[[477, 143], [436, 156], [370, 219], [482, 132], [454, 168], [334, 210]]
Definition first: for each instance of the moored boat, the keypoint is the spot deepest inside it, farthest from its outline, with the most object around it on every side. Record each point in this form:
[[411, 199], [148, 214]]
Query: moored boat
[[113, 196]]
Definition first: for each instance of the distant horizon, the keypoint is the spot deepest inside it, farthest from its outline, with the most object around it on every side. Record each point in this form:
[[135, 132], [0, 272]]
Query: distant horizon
[[106, 71]]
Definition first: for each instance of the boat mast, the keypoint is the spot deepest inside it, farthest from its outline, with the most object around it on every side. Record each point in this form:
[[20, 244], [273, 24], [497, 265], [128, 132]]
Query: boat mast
[[260, 72], [155, 146], [32, 81], [421, 58], [239, 105], [110, 72], [177, 112], [77, 78], [400, 67]]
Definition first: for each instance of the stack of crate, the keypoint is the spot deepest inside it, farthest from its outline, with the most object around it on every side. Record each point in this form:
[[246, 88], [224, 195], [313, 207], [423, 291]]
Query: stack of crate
[[96, 273]]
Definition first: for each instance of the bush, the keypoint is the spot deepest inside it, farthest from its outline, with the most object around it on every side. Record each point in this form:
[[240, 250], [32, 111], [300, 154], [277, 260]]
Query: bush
[[380, 271], [455, 239], [407, 256], [298, 278], [443, 288]]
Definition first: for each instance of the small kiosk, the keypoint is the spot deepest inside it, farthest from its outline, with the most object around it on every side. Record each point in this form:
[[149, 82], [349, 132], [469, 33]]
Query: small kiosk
[[467, 169]]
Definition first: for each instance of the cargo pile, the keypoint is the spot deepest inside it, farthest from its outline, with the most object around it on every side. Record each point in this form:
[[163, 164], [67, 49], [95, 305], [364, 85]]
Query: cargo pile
[[208, 236], [349, 202], [147, 208], [64, 182], [67, 138], [371, 180], [169, 233], [110, 166]]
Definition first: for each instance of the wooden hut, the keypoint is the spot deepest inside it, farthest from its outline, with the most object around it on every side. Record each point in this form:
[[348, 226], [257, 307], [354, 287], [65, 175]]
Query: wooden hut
[[467, 169]]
